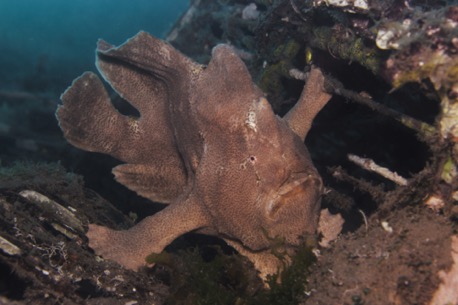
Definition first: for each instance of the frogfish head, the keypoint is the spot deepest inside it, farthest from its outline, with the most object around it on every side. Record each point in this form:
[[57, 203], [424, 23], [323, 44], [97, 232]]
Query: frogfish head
[[289, 195]]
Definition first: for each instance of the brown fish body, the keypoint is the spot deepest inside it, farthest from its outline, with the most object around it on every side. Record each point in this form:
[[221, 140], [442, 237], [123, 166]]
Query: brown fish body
[[206, 141]]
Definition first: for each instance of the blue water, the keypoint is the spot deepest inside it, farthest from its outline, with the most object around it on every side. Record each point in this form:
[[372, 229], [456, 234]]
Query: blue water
[[54, 40]]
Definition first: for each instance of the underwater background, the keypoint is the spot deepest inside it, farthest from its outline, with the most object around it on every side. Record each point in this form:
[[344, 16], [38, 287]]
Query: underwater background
[[46, 44]]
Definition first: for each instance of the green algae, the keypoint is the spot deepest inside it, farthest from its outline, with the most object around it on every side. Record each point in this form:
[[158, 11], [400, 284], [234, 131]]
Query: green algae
[[231, 279], [441, 69], [282, 60], [347, 47]]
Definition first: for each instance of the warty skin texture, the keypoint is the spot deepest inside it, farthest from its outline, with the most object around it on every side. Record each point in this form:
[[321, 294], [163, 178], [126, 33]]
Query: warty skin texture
[[207, 143]]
